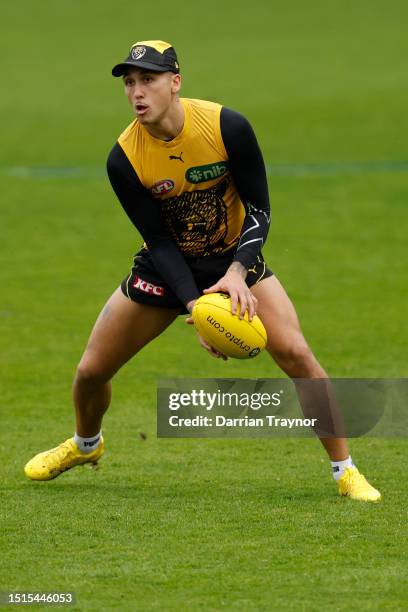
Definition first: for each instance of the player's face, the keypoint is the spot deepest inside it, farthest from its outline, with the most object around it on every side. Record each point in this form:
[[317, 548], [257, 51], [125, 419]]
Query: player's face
[[151, 94]]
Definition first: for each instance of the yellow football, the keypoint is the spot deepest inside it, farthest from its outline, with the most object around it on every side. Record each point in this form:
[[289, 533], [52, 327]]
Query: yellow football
[[227, 333]]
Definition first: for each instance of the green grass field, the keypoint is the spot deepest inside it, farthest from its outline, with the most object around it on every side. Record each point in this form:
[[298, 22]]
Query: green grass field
[[198, 524]]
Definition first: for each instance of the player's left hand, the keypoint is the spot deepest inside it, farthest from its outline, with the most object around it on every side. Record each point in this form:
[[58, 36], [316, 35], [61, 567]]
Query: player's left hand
[[213, 352], [242, 299]]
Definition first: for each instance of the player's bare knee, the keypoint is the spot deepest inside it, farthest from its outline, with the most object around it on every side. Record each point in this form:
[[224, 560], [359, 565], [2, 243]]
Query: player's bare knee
[[88, 374], [304, 359], [296, 359]]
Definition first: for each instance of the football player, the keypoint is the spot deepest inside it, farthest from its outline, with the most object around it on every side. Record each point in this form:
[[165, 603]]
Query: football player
[[191, 178]]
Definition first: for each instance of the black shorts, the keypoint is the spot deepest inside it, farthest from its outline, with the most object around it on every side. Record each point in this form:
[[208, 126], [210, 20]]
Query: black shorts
[[145, 285]]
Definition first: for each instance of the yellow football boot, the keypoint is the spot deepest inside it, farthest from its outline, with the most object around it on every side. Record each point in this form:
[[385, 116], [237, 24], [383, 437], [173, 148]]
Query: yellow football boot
[[353, 484], [51, 463]]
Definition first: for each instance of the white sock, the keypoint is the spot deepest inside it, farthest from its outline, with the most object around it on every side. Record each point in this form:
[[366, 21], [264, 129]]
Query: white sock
[[338, 467], [87, 445]]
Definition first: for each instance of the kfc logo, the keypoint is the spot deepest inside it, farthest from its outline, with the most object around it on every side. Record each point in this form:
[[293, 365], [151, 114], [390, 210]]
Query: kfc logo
[[143, 285]]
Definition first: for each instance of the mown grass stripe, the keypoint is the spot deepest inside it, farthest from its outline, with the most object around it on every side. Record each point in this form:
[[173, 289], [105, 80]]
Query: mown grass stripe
[[281, 169]]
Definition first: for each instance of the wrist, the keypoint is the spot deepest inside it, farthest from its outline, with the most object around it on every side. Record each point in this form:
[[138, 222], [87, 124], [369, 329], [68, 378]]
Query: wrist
[[237, 268], [190, 305]]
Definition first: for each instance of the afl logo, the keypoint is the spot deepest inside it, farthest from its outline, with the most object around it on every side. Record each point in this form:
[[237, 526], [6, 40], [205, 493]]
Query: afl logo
[[138, 52], [162, 187]]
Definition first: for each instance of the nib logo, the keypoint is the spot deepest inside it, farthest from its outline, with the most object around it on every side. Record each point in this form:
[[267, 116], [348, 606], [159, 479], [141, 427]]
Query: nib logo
[[195, 176], [201, 174]]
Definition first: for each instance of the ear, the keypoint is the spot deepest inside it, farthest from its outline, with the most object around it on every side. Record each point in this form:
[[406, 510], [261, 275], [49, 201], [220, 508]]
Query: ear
[[175, 83]]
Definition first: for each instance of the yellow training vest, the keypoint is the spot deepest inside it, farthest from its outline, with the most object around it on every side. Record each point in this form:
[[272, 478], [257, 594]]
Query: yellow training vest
[[189, 174]]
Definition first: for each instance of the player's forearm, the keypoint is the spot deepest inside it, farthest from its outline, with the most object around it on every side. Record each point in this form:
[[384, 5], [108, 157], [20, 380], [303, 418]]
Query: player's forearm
[[253, 236], [169, 261]]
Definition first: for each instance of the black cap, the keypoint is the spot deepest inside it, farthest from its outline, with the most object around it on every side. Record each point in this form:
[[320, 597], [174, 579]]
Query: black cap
[[154, 55]]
